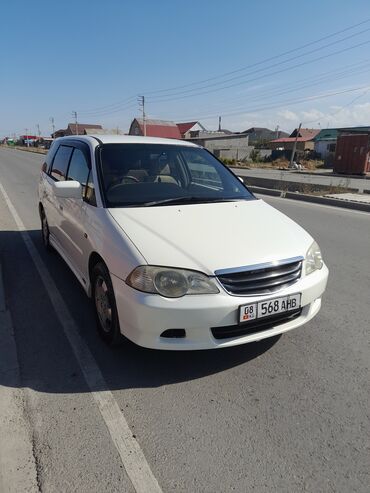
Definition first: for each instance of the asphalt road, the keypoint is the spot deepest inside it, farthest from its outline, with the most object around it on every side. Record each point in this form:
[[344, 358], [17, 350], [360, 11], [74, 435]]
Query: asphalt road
[[287, 414]]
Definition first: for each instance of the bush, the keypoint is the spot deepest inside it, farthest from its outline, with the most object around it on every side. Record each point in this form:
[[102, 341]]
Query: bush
[[228, 162], [255, 156]]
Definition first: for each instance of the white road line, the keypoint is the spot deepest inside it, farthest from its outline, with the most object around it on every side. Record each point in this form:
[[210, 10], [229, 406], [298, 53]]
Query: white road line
[[322, 206], [133, 459]]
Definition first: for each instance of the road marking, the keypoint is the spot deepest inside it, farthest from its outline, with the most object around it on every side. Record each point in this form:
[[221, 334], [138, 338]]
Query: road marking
[[132, 457], [303, 202]]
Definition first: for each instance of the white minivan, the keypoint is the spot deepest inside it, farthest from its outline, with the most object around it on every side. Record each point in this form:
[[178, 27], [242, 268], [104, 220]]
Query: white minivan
[[174, 250]]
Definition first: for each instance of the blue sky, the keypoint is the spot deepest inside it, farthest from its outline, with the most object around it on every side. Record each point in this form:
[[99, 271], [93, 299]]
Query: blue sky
[[95, 57]]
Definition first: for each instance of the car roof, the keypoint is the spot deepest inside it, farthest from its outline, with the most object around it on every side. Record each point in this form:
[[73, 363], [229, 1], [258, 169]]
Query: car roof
[[125, 139]]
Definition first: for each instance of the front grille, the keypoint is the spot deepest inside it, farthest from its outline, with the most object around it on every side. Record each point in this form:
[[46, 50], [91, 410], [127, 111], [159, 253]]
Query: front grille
[[261, 279], [254, 326]]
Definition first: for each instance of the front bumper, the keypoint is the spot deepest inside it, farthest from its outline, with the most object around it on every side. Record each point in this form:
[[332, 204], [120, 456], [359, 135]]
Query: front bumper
[[144, 317]]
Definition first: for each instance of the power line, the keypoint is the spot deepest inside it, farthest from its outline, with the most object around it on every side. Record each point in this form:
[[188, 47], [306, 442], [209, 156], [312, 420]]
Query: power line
[[111, 112], [215, 84], [274, 106], [108, 107], [123, 104], [294, 87], [262, 61], [262, 76], [343, 107]]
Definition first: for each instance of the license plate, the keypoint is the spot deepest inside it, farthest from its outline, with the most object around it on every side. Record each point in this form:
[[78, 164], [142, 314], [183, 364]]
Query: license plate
[[270, 307]]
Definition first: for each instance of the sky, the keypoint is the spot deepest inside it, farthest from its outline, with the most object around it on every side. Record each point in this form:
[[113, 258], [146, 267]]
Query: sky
[[262, 63]]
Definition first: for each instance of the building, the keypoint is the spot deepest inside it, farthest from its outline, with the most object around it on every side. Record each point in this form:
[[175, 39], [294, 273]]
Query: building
[[27, 139], [226, 146], [304, 138], [352, 155], [190, 130], [155, 128], [262, 135], [104, 131], [325, 142], [75, 129]]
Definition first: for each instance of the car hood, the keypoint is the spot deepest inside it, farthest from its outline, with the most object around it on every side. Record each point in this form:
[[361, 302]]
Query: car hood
[[209, 237]]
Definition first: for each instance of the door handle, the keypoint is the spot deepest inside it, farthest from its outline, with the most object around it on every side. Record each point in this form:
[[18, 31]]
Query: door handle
[[60, 207]]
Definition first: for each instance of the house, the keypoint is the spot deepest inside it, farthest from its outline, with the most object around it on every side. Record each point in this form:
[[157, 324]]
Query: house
[[189, 130], [304, 138], [155, 128], [75, 129], [104, 131], [325, 142], [225, 146], [262, 135], [27, 140]]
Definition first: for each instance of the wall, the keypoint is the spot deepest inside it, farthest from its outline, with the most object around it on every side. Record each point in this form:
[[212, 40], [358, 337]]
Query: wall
[[321, 147], [288, 146], [228, 147]]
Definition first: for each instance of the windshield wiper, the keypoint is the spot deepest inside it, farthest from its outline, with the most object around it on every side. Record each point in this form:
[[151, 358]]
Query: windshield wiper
[[187, 199]]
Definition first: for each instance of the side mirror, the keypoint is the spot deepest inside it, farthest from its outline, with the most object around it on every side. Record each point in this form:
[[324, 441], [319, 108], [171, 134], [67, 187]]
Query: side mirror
[[69, 189]]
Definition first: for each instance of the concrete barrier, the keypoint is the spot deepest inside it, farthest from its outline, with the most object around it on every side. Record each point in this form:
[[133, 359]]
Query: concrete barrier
[[311, 198]]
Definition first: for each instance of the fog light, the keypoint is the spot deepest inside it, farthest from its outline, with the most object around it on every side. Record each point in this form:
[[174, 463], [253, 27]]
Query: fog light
[[174, 333]]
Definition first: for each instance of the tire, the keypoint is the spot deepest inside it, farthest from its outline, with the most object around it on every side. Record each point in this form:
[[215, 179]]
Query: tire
[[104, 304], [45, 233]]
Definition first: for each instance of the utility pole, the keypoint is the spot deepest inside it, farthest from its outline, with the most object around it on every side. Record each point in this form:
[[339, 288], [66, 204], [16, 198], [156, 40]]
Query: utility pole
[[277, 131], [52, 126], [38, 129], [74, 114], [219, 124], [294, 147], [142, 104], [27, 140]]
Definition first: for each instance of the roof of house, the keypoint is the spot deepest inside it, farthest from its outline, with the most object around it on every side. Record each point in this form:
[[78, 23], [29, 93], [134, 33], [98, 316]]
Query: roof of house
[[306, 133], [364, 129], [81, 127], [158, 128], [218, 136], [185, 127], [326, 134], [256, 129], [103, 131], [291, 139], [263, 133]]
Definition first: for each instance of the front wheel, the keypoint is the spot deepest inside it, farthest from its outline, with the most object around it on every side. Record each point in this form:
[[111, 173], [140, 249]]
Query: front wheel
[[105, 305]]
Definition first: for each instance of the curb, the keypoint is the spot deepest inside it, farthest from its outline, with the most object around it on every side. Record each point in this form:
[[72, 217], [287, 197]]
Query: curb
[[345, 204], [24, 150]]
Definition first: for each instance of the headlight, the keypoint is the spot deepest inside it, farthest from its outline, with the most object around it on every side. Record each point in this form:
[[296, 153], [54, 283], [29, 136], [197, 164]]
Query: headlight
[[313, 258], [169, 282]]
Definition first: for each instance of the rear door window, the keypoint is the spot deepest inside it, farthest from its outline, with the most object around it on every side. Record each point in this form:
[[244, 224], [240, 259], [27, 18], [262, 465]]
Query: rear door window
[[60, 163]]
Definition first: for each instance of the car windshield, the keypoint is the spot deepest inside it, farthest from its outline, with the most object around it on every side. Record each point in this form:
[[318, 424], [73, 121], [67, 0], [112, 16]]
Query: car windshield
[[145, 175]]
